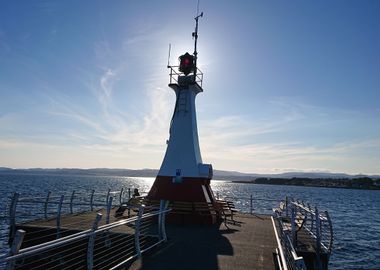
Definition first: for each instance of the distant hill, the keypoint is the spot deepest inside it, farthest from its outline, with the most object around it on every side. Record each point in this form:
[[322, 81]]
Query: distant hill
[[75, 171], [313, 175], [218, 174]]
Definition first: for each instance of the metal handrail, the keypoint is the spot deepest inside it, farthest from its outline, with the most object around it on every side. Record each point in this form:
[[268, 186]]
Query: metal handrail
[[317, 225], [308, 209], [250, 201], [279, 246], [76, 199], [175, 73], [290, 259], [77, 236], [320, 225], [20, 254], [20, 210]]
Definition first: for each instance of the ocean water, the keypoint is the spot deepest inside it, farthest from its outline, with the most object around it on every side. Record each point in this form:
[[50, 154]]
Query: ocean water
[[355, 213]]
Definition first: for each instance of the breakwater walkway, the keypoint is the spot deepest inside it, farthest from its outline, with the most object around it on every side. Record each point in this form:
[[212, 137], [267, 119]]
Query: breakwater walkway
[[247, 244]]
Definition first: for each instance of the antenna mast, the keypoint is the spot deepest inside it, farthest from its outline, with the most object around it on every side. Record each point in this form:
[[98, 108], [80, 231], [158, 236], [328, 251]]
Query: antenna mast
[[195, 36], [170, 48]]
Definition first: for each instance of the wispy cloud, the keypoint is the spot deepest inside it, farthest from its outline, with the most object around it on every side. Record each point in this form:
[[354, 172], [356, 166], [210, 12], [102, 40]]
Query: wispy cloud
[[106, 83], [258, 144], [145, 130], [242, 129], [68, 109], [134, 135], [271, 157]]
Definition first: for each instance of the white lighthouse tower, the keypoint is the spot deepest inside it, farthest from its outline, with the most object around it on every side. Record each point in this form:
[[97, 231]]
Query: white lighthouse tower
[[183, 176]]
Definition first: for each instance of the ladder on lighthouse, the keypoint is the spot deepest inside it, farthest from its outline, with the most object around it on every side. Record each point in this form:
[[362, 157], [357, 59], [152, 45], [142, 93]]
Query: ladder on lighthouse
[[182, 101]]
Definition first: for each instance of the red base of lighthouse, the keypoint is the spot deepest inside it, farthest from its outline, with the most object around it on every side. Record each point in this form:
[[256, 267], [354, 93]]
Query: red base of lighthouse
[[192, 190], [189, 190]]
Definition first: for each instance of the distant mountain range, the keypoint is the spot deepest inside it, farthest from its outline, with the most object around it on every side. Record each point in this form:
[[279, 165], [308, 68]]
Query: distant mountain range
[[218, 174]]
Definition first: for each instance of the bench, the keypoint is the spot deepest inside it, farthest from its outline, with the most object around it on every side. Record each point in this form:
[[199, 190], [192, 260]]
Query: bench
[[227, 209], [191, 212], [280, 210], [133, 204], [180, 207], [299, 221], [206, 209]]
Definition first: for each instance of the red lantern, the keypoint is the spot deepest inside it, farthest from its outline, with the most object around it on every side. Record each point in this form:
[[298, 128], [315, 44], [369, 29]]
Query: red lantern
[[186, 63]]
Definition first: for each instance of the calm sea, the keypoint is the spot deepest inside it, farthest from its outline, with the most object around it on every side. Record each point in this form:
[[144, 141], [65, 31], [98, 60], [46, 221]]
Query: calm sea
[[355, 213]]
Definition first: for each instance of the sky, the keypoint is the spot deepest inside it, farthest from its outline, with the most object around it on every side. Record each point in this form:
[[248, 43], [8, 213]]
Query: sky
[[288, 85]]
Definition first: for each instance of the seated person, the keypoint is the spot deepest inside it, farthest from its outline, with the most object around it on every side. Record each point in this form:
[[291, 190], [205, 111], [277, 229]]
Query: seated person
[[130, 204]]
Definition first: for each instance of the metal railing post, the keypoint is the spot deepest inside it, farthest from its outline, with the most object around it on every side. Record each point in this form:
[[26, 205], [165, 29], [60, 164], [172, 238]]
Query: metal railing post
[[46, 204], [293, 225], [331, 231], [108, 196], [92, 200], [129, 197], [12, 215], [318, 238], [312, 220], [251, 204], [71, 201], [121, 196], [137, 231], [286, 206], [16, 245], [109, 205], [91, 242], [59, 211], [161, 220]]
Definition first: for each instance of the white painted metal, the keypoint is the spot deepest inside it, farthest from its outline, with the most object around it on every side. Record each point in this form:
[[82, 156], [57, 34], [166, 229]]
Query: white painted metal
[[108, 209], [137, 231], [17, 254], [279, 245], [206, 194], [183, 156], [161, 220], [58, 219], [91, 242], [16, 245], [71, 202]]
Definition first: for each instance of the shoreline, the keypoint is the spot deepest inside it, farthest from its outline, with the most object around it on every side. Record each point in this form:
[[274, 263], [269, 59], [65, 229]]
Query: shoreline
[[356, 183], [360, 182]]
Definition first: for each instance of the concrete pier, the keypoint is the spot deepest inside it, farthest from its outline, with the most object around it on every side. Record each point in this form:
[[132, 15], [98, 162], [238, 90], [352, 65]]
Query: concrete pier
[[249, 244], [246, 244]]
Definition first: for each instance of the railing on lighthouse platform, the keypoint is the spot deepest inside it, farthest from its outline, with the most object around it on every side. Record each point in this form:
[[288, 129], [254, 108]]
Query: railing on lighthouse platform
[[175, 74]]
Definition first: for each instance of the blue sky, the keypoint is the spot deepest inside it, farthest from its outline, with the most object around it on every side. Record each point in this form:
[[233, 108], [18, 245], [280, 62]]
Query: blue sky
[[288, 85]]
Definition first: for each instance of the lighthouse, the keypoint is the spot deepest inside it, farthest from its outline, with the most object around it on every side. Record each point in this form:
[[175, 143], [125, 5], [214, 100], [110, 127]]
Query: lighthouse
[[183, 177]]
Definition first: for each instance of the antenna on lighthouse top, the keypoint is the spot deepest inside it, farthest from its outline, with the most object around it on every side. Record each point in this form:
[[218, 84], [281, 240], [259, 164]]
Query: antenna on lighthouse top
[[170, 48], [197, 8], [195, 36]]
